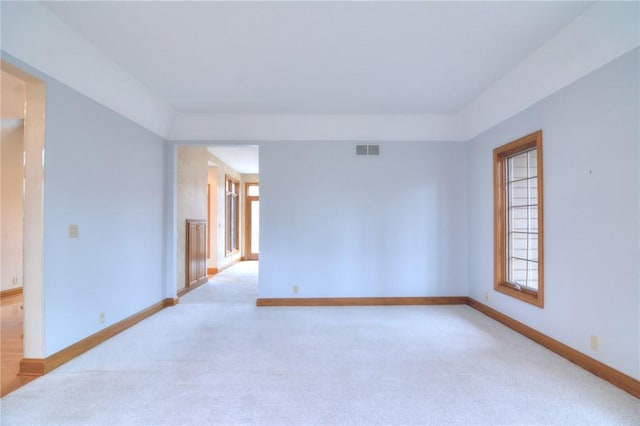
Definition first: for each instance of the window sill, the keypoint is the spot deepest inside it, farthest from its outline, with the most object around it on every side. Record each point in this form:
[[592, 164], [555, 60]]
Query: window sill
[[524, 295]]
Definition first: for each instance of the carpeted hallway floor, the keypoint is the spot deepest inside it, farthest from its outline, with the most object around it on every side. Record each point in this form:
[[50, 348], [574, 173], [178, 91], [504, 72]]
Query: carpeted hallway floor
[[217, 359]]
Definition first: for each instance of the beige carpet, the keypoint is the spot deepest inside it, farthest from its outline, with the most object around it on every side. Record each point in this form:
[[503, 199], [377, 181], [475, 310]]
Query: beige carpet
[[217, 359]]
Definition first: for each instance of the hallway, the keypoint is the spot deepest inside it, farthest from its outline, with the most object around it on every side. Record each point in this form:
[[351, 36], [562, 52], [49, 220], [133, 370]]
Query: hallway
[[216, 358]]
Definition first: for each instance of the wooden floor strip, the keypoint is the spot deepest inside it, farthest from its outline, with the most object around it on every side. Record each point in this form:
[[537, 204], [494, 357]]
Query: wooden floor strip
[[65, 355], [617, 378], [362, 301]]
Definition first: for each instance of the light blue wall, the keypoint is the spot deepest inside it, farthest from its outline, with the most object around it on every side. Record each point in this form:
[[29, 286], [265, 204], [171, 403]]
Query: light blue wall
[[340, 225], [415, 221], [591, 210], [107, 175]]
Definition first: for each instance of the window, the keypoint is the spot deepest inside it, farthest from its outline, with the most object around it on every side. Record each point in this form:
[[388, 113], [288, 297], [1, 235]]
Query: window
[[518, 242], [232, 215]]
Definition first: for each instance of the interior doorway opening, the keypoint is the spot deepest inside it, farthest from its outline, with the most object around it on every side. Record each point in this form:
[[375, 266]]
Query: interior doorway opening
[[217, 184], [252, 220], [26, 267]]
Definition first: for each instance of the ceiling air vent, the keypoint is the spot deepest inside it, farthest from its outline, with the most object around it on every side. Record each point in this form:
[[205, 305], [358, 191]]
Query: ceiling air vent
[[367, 149]]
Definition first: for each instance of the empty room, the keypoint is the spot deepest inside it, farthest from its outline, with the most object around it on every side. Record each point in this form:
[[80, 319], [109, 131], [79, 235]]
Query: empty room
[[320, 212]]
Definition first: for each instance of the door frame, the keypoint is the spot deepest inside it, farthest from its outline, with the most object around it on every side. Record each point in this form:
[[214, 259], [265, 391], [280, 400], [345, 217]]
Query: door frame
[[248, 255], [33, 216]]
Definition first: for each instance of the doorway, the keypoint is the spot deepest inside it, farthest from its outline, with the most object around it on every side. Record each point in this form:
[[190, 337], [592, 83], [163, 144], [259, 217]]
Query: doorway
[[13, 94], [252, 220], [208, 169], [236, 170], [32, 349]]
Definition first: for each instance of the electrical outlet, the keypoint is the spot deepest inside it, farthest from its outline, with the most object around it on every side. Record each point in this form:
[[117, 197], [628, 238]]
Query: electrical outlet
[[14, 281], [101, 317], [595, 344], [295, 289], [486, 296], [74, 231]]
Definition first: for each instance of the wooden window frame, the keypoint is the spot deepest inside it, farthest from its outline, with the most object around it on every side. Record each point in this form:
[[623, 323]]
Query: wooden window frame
[[500, 255], [231, 247]]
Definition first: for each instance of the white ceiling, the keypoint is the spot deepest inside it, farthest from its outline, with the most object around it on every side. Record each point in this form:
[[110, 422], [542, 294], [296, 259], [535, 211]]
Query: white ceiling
[[243, 158], [317, 57]]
